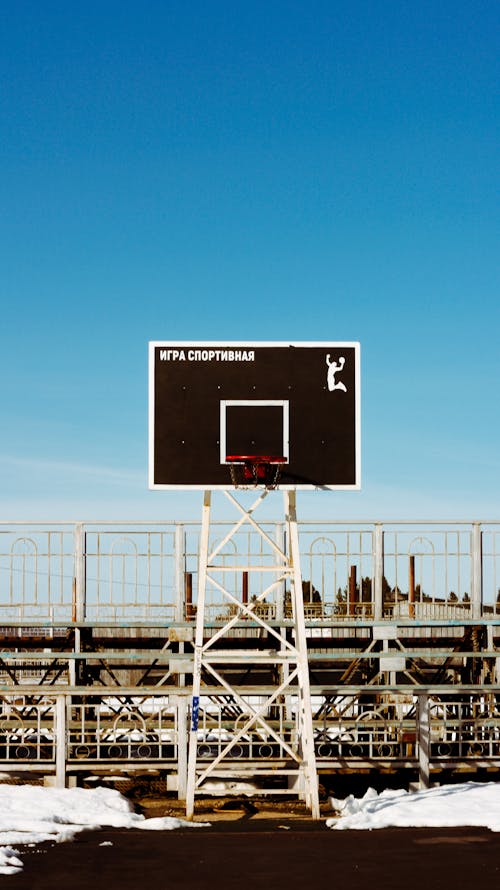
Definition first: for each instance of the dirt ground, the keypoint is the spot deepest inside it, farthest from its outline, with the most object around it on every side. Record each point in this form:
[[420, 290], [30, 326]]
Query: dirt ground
[[254, 851]]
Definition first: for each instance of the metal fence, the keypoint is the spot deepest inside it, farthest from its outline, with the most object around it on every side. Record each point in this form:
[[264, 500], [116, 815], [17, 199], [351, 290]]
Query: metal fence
[[101, 572], [64, 732]]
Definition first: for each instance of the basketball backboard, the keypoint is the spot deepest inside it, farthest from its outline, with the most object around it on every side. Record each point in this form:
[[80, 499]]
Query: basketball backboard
[[298, 401]]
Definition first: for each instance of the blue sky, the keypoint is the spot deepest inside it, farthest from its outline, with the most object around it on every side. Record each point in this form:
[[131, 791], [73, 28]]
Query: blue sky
[[237, 171]]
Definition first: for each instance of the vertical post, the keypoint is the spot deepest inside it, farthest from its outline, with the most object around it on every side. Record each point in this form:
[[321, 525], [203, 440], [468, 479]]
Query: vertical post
[[411, 587], [79, 574], [352, 592], [60, 741], [284, 669], [378, 572], [182, 747], [198, 646], [306, 727], [180, 561], [477, 572], [424, 740], [76, 638], [79, 595]]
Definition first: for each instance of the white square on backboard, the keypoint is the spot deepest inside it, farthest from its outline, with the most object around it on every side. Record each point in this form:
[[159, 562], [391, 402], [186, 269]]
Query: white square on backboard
[[254, 403]]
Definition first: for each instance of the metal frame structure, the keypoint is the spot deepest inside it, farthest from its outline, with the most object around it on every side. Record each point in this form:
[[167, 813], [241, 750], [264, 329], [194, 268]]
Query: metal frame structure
[[98, 620], [289, 660]]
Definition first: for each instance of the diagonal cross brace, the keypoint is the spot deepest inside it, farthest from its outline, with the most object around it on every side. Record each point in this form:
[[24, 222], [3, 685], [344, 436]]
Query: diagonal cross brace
[[255, 718]]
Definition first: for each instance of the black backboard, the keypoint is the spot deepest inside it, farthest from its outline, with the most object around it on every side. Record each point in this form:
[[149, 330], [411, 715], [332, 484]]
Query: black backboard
[[297, 400]]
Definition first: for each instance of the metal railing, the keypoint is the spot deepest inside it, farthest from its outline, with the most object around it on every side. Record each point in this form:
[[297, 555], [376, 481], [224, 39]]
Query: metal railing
[[99, 572], [64, 732]]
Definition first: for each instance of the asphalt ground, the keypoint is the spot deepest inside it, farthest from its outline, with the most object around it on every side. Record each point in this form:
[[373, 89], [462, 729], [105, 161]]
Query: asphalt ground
[[260, 853]]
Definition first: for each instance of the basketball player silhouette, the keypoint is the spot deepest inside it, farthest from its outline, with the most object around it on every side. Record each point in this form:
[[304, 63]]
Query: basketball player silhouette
[[334, 368]]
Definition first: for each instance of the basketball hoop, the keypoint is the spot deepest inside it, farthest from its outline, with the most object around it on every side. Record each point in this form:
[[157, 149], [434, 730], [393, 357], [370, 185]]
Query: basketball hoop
[[252, 470]]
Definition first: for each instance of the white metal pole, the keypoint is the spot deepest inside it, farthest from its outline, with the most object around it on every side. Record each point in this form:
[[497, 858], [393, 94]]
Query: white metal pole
[[78, 611], [306, 724], [424, 737], [477, 575], [180, 558], [378, 572], [60, 741], [182, 747], [200, 620]]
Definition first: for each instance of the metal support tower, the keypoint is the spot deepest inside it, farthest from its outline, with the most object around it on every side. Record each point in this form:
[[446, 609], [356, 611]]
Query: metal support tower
[[291, 733]]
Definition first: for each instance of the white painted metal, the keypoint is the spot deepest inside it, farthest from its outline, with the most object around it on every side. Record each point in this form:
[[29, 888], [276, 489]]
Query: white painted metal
[[465, 559], [307, 734], [477, 579], [78, 609], [180, 562], [290, 659], [424, 740], [195, 700], [253, 403], [182, 746], [61, 741], [79, 572], [378, 572]]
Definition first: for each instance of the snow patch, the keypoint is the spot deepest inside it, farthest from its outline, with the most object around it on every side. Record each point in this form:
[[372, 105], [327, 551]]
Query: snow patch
[[30, 814], [470, 804]]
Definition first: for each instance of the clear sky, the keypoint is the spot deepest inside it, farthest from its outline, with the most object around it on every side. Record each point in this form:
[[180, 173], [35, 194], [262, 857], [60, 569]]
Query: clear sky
[[240, 171]]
